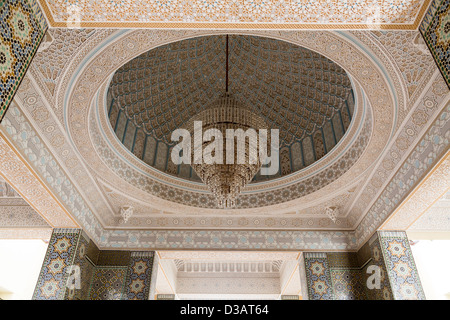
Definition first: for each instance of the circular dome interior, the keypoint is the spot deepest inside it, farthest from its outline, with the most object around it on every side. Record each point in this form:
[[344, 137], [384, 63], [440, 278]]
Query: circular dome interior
[[306, 96]]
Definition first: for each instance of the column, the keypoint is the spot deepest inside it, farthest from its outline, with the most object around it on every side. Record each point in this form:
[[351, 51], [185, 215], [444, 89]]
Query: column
[[318, 276], [75, 269], [401, 268], [58, 261], [139, 276]]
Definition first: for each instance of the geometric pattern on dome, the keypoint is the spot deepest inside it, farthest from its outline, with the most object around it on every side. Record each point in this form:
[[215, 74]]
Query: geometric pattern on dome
[[306, 96]]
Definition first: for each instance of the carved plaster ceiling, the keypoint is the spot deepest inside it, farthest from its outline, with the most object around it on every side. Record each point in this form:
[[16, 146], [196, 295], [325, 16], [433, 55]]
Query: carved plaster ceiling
[[241, 14], [304, 95], [436, 218], [15, 212], [60, 124], [227, 272]]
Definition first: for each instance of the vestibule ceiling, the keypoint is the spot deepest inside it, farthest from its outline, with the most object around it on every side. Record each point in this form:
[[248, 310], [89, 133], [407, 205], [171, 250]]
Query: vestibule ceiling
[[60, 124], [304, 95]]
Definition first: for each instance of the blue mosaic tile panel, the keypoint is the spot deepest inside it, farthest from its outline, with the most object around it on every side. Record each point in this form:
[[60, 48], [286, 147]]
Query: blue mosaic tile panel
[[429, 15], [383, 292], [21, 33], [318, 277], [435, 29], [400, 265], [52, 281], [137, 284], [107, 283], [348, 284], [86, 266]]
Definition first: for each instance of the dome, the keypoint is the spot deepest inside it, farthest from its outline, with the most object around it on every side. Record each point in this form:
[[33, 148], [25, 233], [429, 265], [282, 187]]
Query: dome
[[306, 96]]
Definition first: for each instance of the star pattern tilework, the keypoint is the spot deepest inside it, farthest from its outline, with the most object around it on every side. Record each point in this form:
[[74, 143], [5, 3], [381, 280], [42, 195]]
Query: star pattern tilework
[[318, 277], [21, 32], [401, 267], [51, 284], [435, 29], [348, 284], [137, 283], [107, 283]]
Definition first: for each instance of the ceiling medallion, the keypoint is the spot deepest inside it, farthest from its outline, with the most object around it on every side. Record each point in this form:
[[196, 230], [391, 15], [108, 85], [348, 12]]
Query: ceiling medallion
[[126, 212], [229, 118]]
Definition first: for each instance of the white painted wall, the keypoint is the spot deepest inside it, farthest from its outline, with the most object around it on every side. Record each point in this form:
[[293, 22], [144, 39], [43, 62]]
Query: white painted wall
[[432, 259], [20, 264]]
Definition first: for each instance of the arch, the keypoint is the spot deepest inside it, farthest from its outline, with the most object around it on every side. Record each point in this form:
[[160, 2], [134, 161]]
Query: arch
[[372, 83]]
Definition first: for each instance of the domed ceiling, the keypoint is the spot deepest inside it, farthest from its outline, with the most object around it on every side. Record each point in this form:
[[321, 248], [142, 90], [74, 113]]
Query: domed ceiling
[[306, 96]]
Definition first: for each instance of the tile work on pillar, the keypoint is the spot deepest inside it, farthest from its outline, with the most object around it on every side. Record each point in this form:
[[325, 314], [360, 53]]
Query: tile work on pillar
[[103, 274], [109, 272], [122, 275], [82, 259], [370, 255], [346, 276], [348, 284], [382, 269], [137, 283], [402, 271], [318, 276], [22, 28], [435, 29], [59, 258], [107, 283]]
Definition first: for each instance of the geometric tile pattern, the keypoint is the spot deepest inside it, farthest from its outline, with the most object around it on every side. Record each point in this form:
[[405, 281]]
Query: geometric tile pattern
[[38, 13], [343, 260], [345, 276], [348, 284], [383, 292], [401, 267], [435, 30], [51, 284], [318, 276], [137, 283], [87, 268], [429, 15], [20, 36], [104, 275], [107, 283]]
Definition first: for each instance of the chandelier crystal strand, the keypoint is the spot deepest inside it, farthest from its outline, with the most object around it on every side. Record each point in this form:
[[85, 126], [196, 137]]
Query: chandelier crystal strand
[[224, 180], [227, 180]]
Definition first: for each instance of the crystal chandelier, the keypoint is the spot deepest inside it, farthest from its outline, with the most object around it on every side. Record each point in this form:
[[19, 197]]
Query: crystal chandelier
[[224, 180]]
